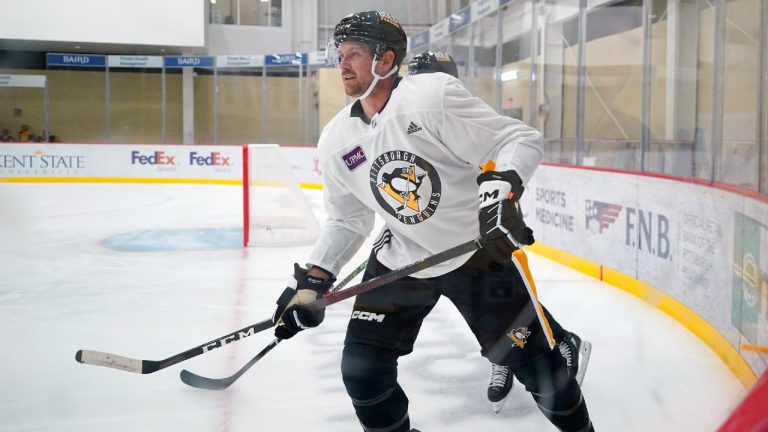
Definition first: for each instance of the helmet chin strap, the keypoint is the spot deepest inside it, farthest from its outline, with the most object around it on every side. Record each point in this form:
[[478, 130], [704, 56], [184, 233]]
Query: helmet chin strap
[[376, 79]]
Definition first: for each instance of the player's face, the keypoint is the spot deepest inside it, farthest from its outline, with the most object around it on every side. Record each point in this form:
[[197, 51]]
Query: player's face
[[355, 64]]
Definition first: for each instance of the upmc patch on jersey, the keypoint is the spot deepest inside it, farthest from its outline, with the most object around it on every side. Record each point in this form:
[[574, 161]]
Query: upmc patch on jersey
[[354, 159]]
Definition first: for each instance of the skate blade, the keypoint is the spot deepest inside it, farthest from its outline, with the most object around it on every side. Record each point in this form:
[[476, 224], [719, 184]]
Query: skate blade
[[497, 406], [585, 350]]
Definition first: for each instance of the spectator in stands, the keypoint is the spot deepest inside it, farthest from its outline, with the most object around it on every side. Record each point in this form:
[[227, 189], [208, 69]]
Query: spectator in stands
[[24, 133], [5, 135], [51, 137]]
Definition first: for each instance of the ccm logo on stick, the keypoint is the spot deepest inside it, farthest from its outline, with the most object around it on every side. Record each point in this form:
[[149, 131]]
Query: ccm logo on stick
[[231, 338], [368, 316]]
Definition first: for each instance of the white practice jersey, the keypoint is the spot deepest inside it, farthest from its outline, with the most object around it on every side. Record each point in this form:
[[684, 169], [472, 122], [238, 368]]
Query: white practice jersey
[[414, 164]]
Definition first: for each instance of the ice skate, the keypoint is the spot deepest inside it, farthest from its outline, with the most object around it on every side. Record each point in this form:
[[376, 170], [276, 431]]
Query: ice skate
[[499, 386], [576, 353]]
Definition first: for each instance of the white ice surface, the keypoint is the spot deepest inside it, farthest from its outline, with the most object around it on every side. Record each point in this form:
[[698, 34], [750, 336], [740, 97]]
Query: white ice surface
[[62, 289]]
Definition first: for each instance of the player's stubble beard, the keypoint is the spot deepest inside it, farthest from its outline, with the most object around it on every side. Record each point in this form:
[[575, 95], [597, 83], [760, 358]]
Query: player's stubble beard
[[357, 86]]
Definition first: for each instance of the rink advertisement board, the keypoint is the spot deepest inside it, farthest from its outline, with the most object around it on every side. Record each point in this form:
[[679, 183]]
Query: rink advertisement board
[[704, 246], [112, 162], [127, 162]]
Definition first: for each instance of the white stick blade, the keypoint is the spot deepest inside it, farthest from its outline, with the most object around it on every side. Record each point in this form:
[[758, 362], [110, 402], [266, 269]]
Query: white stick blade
[[98, 358]]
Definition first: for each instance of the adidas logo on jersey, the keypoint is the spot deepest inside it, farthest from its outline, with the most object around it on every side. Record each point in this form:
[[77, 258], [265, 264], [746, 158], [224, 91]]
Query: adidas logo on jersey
[[413, 128]]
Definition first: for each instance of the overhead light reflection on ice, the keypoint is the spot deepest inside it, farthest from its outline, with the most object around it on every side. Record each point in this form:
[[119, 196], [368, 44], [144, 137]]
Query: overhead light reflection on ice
[[176, 240]]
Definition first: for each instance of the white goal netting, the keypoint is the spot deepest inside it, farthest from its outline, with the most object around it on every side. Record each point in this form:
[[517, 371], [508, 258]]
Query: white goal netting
[[276, 211]]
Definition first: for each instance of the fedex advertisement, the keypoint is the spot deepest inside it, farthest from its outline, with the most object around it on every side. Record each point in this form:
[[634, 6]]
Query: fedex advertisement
[[117, 162]]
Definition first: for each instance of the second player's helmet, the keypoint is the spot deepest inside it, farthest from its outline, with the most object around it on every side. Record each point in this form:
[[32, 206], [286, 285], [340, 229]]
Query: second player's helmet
[[379, 30], [433, 61]]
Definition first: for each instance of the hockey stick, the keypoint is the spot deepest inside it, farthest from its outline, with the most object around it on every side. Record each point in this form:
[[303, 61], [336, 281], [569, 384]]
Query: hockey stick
[[128, 364], [98, 358], [394, 275], [201, 382], [197, 381]]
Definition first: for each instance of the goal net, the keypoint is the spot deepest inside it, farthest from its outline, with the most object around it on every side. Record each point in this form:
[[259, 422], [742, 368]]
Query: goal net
[[275, 210]]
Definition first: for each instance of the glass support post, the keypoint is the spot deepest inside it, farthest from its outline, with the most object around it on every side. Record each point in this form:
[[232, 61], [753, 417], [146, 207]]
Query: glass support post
[[534, 47], [645, 95], [762, 106], [46, 114], [164, 107], [718, 75], [264, 104], [302, 108], [215, 105], [581, 81], [106, 102], [499, 47]]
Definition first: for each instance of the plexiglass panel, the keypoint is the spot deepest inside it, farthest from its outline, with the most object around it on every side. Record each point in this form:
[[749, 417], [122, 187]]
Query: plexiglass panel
[[239, 106], [516, 60], [613, 87], [558, 112], [672, 82], [22, 118], [135, 106], [77, 105], [203, 114], [483, 83], [285, 97], [740, 149], [703, 154]]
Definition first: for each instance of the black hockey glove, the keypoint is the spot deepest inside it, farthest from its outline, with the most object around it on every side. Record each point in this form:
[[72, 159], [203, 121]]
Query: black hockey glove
[[502, 228], [290, 316]]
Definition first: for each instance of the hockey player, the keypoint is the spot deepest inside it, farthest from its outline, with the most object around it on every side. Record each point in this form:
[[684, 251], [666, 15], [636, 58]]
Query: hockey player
[[433, 61], [409, 150], [575, 352]]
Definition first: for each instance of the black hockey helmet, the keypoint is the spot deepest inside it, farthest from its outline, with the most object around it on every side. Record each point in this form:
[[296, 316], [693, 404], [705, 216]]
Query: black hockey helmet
[[379, 30], [433, 61]]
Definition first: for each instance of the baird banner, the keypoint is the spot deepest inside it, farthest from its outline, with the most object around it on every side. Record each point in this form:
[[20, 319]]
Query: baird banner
[[705, 247]]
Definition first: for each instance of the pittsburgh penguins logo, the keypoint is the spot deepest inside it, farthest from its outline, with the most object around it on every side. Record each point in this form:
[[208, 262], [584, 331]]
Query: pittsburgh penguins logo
[[406, 186], [403, 184], [519, 336]]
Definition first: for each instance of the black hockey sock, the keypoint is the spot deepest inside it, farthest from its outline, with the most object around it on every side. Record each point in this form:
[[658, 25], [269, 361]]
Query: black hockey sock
[[387, 412], [370, 376], [556, 392], [566, 408]]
